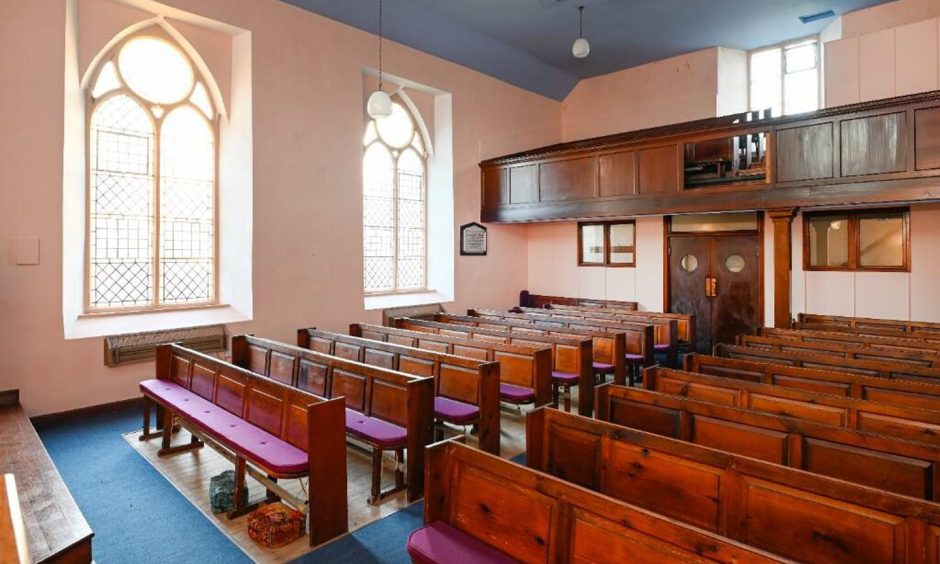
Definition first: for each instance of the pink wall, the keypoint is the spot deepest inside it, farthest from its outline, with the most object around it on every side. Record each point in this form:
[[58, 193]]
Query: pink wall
[[307, 106]]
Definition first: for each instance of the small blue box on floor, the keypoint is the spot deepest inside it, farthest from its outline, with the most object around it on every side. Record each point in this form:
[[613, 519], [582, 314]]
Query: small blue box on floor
[[222, 492]]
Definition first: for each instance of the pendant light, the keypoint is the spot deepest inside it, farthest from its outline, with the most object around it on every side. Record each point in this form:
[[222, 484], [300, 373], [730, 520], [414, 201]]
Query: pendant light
[[581, 47], [380, 103]]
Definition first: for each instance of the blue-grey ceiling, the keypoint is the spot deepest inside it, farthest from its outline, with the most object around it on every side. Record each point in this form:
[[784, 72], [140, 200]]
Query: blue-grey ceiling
[[528, 42]]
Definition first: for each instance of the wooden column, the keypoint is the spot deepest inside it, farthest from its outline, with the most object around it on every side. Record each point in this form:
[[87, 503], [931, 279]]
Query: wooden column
[[783, 243]]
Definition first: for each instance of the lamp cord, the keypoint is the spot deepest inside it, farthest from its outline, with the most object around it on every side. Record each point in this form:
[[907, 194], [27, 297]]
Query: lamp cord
[[380, 44], [580, 20]]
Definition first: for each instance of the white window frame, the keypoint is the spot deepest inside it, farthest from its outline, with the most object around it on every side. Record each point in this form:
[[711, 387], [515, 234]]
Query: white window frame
[[91, 105], [782, 46]]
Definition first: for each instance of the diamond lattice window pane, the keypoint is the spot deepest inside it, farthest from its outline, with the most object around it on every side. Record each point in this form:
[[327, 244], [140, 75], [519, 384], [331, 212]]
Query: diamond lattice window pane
[[120, 205], [187, 207]]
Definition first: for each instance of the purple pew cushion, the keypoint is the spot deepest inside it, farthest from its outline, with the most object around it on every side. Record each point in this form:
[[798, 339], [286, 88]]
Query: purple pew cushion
[[516, 394], [454, 411], [634, 358], [661, 347], [564, 378], [603, 368], [438, 542], [232, 431], [376, 431]]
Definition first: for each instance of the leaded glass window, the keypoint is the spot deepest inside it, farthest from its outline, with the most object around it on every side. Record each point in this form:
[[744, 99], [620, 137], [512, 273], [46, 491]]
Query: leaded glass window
[[394, 206], [152, 148]]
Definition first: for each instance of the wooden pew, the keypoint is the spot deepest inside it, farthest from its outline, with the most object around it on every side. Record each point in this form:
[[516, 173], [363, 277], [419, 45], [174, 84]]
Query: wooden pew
[[878, 461], [924, 337], [13, 544], [282, 431], [526, 364], [877, 368], [638, 338], [665, 331], [481, 508], [901, 421], [871, 323], [466, 390], [386, 409], [685, 323], [842, 350], [535, 300], [793, 514], [55, 529], [571, 350], [920, 395], [907, 343]]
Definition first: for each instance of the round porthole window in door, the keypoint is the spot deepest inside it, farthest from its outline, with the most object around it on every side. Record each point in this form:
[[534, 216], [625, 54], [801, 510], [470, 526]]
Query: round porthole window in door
[[734, 263], [689, 263]]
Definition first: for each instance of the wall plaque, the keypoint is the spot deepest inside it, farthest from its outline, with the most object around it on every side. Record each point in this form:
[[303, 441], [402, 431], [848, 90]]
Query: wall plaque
[[473, 239]]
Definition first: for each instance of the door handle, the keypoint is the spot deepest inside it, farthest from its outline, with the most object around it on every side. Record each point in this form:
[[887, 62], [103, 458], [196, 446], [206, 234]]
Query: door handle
[[711, 287], [714, 287]]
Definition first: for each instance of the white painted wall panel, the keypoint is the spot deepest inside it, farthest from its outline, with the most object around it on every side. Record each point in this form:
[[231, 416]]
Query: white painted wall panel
[[565, 269], [882, 294], [925, 263], [541, 239], [649, 271], [876, 65], [830, 293], [621, 284], [592, 283], [841, 66], [915, 57]]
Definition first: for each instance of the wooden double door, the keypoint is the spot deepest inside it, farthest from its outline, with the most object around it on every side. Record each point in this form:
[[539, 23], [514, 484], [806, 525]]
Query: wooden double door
[[717, 278]]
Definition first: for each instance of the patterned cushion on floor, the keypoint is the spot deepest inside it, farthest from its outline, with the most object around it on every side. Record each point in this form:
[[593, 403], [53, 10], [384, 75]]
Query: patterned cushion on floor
[[275, 525], [222, 492]]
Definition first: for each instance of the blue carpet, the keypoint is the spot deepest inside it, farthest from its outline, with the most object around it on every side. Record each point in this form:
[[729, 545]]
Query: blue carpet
[[519, 459], [137, 516], [381, 542]]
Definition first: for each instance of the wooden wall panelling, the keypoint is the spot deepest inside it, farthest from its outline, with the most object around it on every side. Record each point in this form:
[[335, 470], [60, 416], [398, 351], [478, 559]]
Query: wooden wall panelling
[[617, 174], [569, 179], [873, 145], [524, 184], [495, 187], [805, 153], [659, 170]]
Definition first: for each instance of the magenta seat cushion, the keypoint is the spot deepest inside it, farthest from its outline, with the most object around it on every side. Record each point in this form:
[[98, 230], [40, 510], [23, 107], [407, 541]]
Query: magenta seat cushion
[[564, 378], [454, 411], [603, 368], [516, 394], [374, 430], [245, 439], [438, 542], [661, 347], [633, 358]]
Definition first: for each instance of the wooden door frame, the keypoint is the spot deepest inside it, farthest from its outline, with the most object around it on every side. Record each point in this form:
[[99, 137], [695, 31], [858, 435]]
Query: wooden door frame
[[667, 234]]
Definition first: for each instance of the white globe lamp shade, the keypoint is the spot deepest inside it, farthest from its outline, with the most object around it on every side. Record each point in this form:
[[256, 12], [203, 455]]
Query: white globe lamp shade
[[581, 48], [379, 105]]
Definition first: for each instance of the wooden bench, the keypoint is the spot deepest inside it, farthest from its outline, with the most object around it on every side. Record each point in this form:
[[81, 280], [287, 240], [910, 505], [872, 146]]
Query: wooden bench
[[570, 355], [864, 323], [793, 514], [386, 409], [639, 338], [282, 431], [685, 323], [901, 421], [535, 300], [879, 368], [481, 508], [904, 343], [466, 390], [55, 529], [878, 461], [840, 350], [665, 331], [920, 395]]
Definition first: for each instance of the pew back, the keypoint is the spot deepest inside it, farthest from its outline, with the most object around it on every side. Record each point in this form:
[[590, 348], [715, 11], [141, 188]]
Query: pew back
[[535, 300], [467, 380], [537, 518], [525, 363], [840, 350], [903, 344], [402, 399], [878, 368], [794, 514], [864, 323], [904, 422], [878, 461]]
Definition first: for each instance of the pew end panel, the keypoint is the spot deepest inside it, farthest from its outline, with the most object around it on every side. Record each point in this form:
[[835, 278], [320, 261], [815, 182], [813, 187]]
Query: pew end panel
[[329, 515]]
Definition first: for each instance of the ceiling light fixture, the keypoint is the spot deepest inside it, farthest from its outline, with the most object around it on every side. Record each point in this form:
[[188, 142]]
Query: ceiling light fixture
[[581, 47], [380, 103]]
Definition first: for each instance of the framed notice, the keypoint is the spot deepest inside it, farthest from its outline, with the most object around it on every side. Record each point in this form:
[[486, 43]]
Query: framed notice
[[473, 239]]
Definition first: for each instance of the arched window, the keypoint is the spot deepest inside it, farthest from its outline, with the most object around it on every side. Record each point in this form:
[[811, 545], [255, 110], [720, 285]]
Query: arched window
[[394, 206], [152, 178]]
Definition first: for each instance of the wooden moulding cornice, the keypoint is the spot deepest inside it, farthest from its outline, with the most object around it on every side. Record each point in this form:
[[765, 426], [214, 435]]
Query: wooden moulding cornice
[[782, 214]]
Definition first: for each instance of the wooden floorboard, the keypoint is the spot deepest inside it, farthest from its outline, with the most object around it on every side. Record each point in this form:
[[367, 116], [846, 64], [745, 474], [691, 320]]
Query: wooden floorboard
[[190, 472]]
